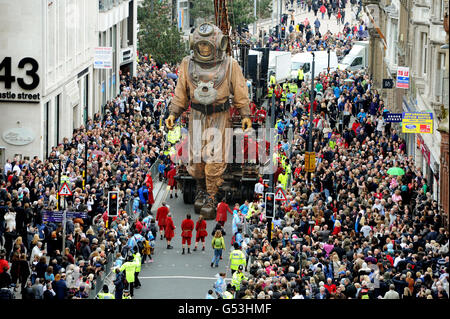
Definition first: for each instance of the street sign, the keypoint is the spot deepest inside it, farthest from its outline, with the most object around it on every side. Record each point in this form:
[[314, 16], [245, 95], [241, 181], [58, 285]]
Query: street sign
[[280, 195], [310, 162], [403, 77], [58, 216], [65, 190], [388, 83], [417, 122], [392, 117]]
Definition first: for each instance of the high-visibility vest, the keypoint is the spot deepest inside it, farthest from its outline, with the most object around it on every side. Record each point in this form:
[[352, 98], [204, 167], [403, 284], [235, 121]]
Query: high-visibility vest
[[166, 152], [282, 178], [105, 295], [288, 170], [237, 279], [174, 135], [250, 211], [275, 158], [272, 80], [227, 295], [283, 97], [293, 88], [65, 179], [126, 297], [270, 92], [237, 258], [172, 151], [137, 260], [130, 269], [285, 86], [300, 74]]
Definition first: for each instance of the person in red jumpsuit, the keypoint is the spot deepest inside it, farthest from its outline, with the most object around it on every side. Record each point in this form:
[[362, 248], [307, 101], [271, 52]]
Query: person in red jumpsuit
[[149, 183], [200, 227], [161, 216], [261, 116], [170, 230], [222, 210], [187, 226], [171, 181]]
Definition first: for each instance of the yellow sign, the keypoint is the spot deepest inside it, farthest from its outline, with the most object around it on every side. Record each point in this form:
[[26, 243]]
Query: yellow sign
[[415, 122], [310, 162]]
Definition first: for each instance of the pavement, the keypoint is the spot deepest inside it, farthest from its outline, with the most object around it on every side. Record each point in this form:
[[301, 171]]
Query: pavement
[[176, 276]]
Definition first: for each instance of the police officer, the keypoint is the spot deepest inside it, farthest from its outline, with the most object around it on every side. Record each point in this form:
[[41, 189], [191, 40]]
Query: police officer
[[237, 257], [237, 278], [270, 91], [229, 293], [272, 80], [300, 77], [105, 294], [130, 268], [282, 178], [126, 294], [138, 260]]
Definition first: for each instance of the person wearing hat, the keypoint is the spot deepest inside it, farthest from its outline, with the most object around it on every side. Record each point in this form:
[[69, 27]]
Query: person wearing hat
[[237, 258], [238, 277], [126, 294], [161, 216], [229, 293], [130, 268], [187, 226], [170, 230], [105, 294], [119, 284]]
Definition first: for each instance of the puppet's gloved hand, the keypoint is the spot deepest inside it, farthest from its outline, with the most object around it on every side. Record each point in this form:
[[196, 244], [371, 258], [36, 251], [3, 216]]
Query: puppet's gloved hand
[[246, 124], [170, 122]]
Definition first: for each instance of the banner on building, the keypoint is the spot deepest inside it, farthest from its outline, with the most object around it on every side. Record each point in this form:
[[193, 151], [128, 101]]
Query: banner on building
[[103, 58], [310, 162], [403, 77], [417, 122]]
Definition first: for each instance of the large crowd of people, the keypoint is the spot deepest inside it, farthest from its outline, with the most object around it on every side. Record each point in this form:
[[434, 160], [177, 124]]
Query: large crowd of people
[[122, 145], [350, 230]]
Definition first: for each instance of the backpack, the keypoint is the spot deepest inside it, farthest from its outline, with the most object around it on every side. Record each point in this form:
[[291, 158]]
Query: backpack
[[140, 245]]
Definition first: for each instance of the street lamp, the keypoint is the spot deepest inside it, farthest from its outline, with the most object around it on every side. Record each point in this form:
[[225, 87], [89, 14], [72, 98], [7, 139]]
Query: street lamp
[[312, 96], [328, 69]]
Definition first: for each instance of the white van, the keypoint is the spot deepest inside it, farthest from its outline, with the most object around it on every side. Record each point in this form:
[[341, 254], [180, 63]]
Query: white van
[[357, 58], [305, 60]]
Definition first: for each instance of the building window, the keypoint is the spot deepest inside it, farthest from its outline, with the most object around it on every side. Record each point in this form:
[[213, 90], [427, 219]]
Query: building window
[[439, 85], [424, 46], [394, 43]]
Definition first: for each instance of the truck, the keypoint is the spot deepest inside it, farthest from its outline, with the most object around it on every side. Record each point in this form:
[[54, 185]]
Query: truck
[[304, 60], [280, 65], [357, 58], [239, 178]]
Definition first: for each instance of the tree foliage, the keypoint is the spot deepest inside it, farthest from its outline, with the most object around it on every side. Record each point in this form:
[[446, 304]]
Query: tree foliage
[[158, 35], [240, 12]]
